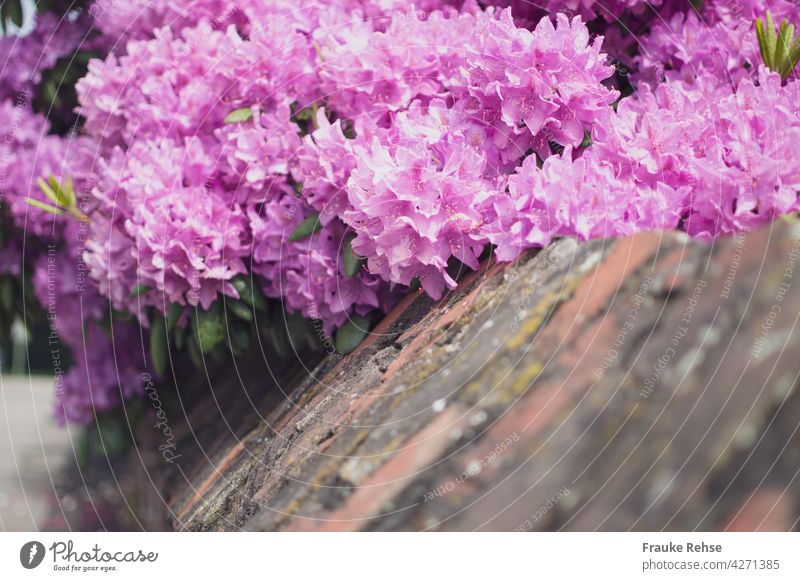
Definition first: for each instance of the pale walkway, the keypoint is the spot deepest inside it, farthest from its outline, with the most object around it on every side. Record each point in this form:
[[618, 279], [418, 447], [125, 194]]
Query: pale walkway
[[33, 448]]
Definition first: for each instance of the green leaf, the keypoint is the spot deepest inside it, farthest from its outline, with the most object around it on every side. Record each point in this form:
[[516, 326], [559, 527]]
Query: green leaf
[[788, 55], [123, 315], [45, 207], [249, 292], [208, 328], [49, 191], [280, 342], [780, 50], [771, 39], [194, 354], [352, 262], [303, 114], [180, 337], [83, 447], [135, 413], [348, 130], [240, 309], [70, 191], [296, 331], [111, 435], [7, 294], [239, 338], [173, 314], [14, 11], [64, 195], [788, 39], [350, 335], [140, 289], [5, 327], [158, 344], [239, 115], [219, 356], [306, 228], [793, 58], [762, 41], [780, 47]]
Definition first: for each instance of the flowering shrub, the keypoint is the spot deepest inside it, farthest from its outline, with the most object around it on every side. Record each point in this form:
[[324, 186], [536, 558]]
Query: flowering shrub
[[318, 160]]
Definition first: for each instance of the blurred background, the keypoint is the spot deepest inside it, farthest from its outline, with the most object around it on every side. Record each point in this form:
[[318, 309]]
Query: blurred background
[[33, 446], [34, 449]]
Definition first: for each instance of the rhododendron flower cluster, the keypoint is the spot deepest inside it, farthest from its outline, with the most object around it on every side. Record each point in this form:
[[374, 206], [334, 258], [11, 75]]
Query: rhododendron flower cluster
[[25, 58], [434, 147], [335, 155]]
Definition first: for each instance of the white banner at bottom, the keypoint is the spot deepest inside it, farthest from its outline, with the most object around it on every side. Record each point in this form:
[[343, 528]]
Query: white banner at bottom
[[379, 556]]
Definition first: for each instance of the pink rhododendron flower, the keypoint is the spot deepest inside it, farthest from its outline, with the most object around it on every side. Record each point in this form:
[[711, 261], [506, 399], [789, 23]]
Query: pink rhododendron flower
[[415, 134]]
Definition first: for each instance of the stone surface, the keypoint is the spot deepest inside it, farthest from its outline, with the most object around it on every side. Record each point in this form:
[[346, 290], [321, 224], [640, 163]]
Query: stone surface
[[647, 383]]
